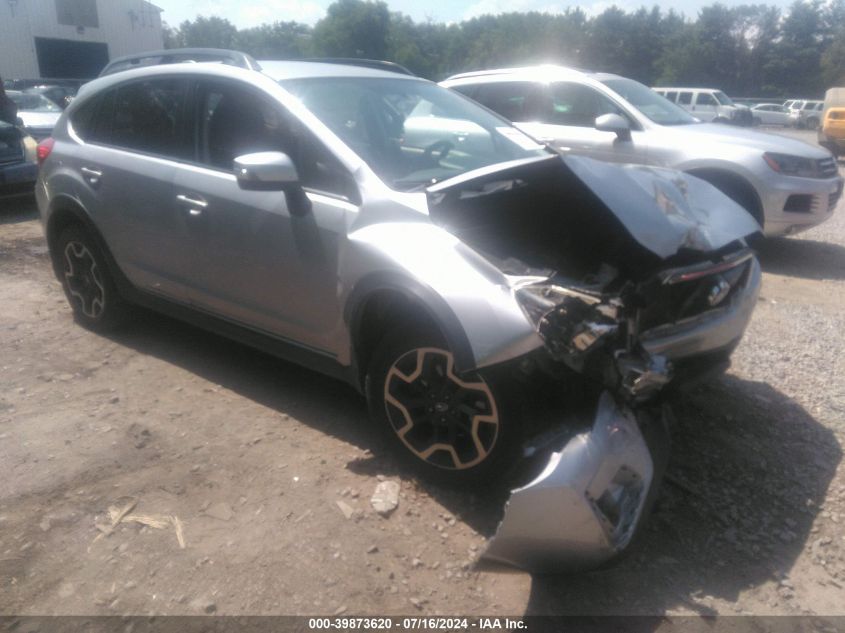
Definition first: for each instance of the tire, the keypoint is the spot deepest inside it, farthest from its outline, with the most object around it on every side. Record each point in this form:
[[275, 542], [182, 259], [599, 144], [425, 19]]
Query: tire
[[455, 430], [757, 121], [812, 124], [87, 282]]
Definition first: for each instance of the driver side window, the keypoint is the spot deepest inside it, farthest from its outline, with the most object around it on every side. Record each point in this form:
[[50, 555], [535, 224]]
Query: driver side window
[[578, 105], [234, 121], [706, 99]]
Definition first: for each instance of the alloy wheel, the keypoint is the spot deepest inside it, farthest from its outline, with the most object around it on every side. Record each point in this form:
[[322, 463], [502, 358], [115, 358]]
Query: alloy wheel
[[83, 279], [445, 421]]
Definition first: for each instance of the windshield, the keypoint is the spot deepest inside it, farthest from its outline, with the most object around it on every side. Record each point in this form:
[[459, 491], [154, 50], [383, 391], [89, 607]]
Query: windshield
[[723, 99], [412, 133], [657, 108], [33, 102]]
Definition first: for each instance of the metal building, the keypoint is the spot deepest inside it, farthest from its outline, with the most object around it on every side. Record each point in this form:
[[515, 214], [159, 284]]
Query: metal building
[[73, 38]]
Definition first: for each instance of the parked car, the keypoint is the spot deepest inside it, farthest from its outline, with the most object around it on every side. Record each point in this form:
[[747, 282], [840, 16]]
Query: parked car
[[770, 114], [806, 114], [708, 105], [787, 185], [37, 113], [180, 56], [288, 209], [18, 166], [831, 133], [61, 95]]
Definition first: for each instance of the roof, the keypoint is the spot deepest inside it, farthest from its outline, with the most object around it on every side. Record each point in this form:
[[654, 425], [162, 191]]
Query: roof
[[532, 72], [280, 70]]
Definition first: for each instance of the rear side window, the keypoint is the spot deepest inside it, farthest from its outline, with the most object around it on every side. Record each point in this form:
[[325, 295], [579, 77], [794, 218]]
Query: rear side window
[[684, 98], [514, 100], [148, 116], [672, 96], [145, 116]]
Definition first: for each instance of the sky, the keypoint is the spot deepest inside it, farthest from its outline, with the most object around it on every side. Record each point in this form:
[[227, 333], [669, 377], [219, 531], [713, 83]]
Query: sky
[[246, 13]]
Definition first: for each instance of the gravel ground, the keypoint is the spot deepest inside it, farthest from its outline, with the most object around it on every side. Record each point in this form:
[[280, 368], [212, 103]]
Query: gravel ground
[[253, 455]]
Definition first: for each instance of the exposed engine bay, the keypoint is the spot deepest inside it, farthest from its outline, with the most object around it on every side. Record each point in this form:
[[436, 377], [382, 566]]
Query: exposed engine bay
[[633, 286]]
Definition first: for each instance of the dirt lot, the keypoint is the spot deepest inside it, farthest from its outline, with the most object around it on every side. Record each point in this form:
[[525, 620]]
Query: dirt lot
[[252, 456]]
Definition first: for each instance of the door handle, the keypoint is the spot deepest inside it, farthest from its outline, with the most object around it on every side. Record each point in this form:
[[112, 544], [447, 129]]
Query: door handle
[[92, 176], [196, 204]]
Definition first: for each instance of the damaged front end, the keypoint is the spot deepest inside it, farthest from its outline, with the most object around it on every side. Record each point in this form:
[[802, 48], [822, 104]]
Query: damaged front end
[[634, 278]]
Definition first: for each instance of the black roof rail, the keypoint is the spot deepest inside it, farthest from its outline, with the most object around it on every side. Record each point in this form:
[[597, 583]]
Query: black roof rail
[[376, 64], [181, 55]]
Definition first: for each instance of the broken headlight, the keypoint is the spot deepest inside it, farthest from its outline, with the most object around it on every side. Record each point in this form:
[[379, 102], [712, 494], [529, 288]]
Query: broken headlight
[[571, 322]]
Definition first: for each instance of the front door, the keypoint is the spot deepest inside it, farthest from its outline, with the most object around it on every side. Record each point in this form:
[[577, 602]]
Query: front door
[[567, 122], [259, 261]]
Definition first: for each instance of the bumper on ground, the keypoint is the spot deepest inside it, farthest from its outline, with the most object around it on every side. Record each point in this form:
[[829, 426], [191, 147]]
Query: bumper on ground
[[587, 504]]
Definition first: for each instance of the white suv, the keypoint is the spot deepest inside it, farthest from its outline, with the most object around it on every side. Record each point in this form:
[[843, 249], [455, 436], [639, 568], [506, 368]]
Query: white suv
[[707, 105], [786, 184]]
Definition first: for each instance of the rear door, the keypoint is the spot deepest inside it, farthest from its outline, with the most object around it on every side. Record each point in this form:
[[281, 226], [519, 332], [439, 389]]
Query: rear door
[[258, 262], [134, 137]]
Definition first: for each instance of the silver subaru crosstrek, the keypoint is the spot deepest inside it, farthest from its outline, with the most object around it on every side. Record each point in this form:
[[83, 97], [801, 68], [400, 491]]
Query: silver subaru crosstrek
[[391, 233], [786, 184]]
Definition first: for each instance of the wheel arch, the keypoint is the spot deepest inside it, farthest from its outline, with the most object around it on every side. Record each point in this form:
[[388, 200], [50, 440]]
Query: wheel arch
[[727, 179], [386, 299], [65, 211]]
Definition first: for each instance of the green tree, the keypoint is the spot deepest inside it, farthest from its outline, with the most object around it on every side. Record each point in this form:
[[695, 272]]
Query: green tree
[[353, 28], [794, 65], [280, 40], [172, 37], [213, 32]]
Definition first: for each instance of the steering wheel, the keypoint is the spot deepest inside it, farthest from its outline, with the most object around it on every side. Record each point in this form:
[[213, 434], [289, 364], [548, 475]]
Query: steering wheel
[[436, 152]]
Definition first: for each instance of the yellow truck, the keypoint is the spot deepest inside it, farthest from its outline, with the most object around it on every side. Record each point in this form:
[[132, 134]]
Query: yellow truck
[[832, 129]]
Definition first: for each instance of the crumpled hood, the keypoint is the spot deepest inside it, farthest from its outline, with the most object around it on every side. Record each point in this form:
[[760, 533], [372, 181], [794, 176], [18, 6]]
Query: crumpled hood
[[551, 211], [708, 134], [664, 209]]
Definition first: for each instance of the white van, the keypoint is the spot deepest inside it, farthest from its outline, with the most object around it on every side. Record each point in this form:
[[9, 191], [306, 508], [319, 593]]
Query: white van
[[707, 105]]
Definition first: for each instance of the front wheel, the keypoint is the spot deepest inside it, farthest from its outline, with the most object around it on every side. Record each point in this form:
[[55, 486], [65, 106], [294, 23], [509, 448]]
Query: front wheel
[[450, 427], [86, 280]]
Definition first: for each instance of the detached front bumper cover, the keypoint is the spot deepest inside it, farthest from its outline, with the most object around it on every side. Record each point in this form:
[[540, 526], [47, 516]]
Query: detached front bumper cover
[[586, 505]]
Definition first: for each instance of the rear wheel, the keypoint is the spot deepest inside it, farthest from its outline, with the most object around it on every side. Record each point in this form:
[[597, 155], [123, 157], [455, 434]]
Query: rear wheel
[[86, 280], [812, 124], [452, 428]]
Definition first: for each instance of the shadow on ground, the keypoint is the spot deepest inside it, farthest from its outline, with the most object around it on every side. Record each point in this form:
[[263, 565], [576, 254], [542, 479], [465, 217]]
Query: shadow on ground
[[748, 471], [808, 259], [15, 209]]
